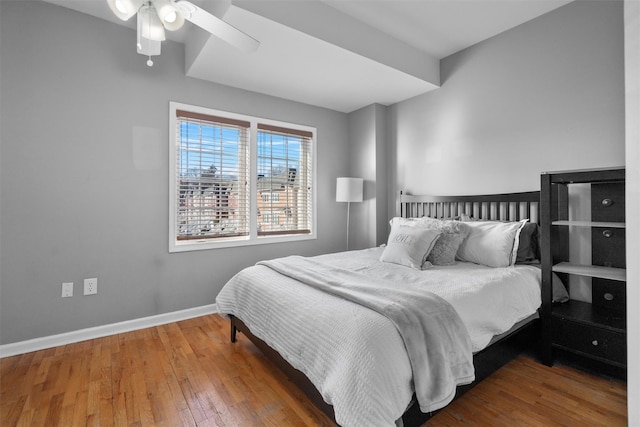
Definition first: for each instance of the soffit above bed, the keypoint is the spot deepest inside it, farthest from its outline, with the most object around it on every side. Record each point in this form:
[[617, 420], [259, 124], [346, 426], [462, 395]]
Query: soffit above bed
[[339, 54]]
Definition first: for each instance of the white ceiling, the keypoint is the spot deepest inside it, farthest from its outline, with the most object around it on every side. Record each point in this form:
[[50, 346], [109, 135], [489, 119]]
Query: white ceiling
[[340, 54], [443, 27]]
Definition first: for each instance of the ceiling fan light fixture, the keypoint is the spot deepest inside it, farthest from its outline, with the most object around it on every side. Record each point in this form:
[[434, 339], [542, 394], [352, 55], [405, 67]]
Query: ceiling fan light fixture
[[169, 14], [156, 15], [124, 9]]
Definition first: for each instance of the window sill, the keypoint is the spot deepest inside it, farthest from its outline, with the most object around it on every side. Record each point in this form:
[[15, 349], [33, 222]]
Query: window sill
[[199, 245]]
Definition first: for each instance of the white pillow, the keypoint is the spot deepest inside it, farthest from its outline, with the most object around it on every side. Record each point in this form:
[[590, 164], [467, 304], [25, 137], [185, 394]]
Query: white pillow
[[409, 222], [491, 243], [409, 246]]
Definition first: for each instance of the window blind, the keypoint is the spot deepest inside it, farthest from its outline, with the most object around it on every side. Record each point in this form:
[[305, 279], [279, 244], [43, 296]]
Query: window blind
[[284, 175], [213, 177]]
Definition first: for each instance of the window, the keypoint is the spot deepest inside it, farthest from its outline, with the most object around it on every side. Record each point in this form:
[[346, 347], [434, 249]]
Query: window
[[238, 180], [283, 159], [269, 197]]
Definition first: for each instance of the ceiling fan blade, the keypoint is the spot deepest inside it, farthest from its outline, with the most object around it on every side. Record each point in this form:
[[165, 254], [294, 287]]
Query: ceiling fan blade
[[217, 26]]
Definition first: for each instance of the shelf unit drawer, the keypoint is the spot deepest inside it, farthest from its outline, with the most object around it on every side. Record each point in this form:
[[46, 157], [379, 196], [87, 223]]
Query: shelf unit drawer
[[607, 201], [590, 340], [608, 247], [609, 295]]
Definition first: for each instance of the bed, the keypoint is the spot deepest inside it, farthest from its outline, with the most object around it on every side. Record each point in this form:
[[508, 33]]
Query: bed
[[352, 358]]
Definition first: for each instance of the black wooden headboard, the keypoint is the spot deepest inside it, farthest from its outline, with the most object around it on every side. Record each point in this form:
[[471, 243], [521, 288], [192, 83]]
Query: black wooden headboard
[[500, 207]]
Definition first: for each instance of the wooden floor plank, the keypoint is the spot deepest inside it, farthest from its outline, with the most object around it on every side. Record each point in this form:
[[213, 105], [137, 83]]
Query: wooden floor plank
[[189, 374]]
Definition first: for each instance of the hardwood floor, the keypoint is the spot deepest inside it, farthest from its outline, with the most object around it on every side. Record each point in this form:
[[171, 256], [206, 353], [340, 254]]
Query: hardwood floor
[[527, 393], [189, 374]]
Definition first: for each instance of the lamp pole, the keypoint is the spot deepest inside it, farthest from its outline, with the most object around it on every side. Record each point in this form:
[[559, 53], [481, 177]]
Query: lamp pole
[[349, 190], [348, 212]]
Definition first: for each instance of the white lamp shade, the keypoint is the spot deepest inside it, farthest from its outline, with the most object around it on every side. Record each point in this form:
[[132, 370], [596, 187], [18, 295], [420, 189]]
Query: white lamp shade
[[349, 189]]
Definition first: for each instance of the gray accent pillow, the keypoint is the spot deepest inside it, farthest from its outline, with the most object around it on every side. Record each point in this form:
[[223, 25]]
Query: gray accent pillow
[[409, 246], [452, 235]]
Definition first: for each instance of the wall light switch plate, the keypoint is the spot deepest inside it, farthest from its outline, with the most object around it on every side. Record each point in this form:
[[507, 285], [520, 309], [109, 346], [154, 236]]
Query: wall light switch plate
[[67, 290], [91, 286]]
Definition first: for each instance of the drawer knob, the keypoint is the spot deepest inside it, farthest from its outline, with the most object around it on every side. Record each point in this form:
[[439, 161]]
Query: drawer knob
[[608, 296], [607, 233], [607, 202], [594, 342]]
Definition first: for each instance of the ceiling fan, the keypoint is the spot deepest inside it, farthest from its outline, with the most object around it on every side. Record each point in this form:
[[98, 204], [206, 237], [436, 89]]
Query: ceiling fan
[[154, 16]]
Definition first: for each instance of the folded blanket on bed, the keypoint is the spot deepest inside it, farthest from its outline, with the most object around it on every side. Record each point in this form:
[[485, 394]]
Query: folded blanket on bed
[[437, 342]]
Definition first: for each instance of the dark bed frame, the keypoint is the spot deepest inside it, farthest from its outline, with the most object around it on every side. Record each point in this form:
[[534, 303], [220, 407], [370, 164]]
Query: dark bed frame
[[503, 207]]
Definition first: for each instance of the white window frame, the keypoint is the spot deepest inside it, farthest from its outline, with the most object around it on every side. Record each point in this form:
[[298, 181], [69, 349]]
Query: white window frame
[[176, 245]]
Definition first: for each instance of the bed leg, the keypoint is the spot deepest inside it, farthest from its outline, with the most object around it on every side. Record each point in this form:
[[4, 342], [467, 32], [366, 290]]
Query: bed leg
[[234, 330]]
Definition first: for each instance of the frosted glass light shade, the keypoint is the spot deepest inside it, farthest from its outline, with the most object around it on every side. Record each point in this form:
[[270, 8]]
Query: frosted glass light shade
[[349, 189], [169, 15], [124, 9]]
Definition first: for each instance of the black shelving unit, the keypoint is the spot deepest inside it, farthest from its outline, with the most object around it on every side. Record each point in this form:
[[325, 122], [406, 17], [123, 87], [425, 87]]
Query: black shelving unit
[[595, 331]]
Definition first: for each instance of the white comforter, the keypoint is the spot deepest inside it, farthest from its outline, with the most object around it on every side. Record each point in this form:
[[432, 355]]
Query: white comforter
[[354, 356]]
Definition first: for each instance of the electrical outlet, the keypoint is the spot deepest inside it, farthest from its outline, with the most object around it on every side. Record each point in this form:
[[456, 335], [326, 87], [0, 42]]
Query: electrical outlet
[[67, 290], [91, 286]]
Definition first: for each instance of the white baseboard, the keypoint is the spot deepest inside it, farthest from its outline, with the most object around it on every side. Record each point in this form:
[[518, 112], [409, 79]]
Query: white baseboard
[[35, 344]]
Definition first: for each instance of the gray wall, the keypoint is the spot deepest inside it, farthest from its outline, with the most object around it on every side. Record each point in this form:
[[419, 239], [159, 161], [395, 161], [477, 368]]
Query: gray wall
[[81, 199], [546, 95]]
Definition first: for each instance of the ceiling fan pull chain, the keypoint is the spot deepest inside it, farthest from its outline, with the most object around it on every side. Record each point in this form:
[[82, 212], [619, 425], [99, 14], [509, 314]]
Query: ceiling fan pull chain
[[149, 61]]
